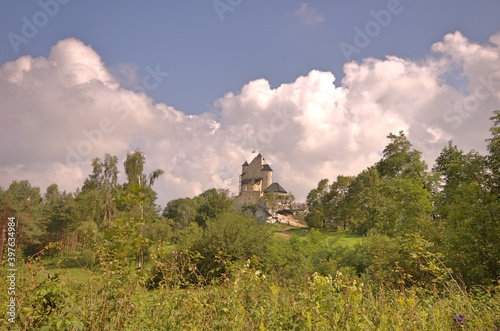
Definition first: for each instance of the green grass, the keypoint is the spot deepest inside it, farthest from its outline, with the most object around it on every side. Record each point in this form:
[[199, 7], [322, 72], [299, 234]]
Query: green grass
[[67, 272], [342, 238], [249, 300], [349, 239], [74, 274]]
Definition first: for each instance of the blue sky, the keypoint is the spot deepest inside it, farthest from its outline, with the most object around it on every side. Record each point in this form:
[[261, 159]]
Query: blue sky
[[207, 57], [315, 86]]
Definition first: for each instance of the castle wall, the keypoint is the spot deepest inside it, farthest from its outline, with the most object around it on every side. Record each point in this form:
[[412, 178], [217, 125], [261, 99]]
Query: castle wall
[[247, 198], [254, 169], [254, 180], [267, 180]]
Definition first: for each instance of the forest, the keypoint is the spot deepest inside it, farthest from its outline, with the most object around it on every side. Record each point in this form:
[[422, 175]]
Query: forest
[[399, 246]]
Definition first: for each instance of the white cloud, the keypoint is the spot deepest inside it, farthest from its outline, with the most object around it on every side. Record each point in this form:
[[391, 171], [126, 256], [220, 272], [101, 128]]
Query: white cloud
[[126, 74], [308, 14], [60, 112]]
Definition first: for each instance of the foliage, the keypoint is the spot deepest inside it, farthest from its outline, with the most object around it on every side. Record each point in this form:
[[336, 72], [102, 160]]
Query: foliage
[[469, 211], [229, 238], [137, 198], [317, 205], [493, 158], [25, 203], [50, 307], [182, 211], [121, 258], [367, 200], [213, 202], [57, 208], [159, 230], [103, 181], [252, 299], [400, 159]]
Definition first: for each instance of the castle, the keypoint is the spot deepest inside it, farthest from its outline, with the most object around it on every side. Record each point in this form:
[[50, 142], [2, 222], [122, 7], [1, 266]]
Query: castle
[[256, 180]]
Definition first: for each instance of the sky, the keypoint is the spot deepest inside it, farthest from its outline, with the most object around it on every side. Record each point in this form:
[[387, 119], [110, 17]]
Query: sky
[[315, 86]]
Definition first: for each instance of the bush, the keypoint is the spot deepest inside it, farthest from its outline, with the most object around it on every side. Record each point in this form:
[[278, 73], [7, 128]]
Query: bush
[[88, 259], [205, 255], [292, 261], [159, 231], [228, 238]]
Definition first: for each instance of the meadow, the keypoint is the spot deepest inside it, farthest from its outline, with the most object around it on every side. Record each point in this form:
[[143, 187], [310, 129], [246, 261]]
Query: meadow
[[59, 294]]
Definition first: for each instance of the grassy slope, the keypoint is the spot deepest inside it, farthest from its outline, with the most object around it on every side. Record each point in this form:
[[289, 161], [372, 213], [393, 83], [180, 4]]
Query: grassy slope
[[342, 238]]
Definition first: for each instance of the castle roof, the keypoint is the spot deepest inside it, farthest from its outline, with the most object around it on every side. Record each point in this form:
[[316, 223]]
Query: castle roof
[[275, 187], [245, 164], [266, 167]]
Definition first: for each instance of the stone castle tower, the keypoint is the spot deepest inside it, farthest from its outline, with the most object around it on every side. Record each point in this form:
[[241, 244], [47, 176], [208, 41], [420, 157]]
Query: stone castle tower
[[256, 179]]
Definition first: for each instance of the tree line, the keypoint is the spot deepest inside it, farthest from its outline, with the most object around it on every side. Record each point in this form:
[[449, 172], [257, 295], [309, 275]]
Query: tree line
[[75, 220], [454, 206]]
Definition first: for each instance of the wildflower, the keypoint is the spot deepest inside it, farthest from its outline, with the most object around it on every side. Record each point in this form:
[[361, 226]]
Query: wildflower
[[459, 319], [132, 306]]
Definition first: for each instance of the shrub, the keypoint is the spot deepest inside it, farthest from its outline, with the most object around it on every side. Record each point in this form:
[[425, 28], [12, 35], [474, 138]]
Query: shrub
[[228, 238]]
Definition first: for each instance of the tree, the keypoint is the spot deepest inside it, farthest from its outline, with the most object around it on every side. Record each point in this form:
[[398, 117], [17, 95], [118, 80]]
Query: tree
[[139, 186], [103, 182], [468, 209], [407, 208], [58, 211], [400, 159], [24, 202], [457, 169], [341, 209], [88, 208], [182, 211], [366, 200], [329, 205], [213, 202], [406, 188], [493, 158], [318, 209]]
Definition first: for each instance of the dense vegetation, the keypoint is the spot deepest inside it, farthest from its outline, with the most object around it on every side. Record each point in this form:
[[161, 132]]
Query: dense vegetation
[[426, 254]]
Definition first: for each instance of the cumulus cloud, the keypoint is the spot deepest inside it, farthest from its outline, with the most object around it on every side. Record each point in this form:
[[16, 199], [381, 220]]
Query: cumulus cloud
[[309, 15], [61, 111]]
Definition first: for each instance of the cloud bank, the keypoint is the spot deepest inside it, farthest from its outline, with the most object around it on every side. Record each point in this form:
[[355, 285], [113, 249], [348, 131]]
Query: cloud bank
[[61, 111]]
